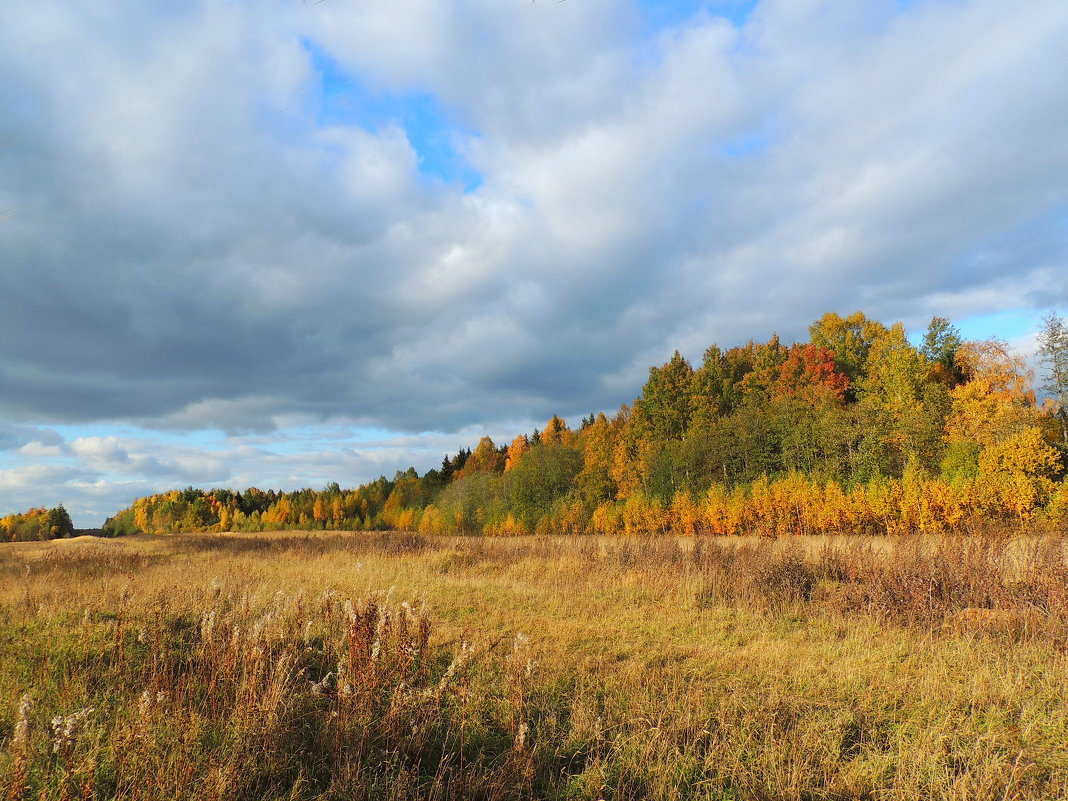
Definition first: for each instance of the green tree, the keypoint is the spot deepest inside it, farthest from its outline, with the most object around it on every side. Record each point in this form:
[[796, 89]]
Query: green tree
[[940, 344], [892, 391], [716, 385], [58, 524], [1053, 350], [544, 475], [759, 383], [666, 398], [745, 445]]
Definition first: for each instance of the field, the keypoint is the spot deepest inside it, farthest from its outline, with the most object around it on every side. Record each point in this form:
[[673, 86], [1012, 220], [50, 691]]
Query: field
[[365, 666]]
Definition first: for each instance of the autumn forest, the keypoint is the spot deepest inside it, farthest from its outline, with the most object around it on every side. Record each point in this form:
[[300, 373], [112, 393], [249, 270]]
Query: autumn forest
[[856, 430]]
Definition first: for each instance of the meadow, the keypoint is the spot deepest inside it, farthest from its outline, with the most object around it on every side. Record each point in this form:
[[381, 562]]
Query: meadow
[[399, 666]]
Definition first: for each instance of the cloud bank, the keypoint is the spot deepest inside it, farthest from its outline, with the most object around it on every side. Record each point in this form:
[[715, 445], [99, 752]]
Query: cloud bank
[[429, 216]]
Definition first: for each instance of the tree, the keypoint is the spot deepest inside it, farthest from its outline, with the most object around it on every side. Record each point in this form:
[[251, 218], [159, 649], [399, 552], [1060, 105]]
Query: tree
[[716, 386], [759, 383], [519, 446], [595, 481], [557, 433], [666, 397], [995, 401], [744, 445], [485, 459], [892, 391], [58, 524], [809, 373], [940, 344], [544, 475], [850, 338], [1053, 350]]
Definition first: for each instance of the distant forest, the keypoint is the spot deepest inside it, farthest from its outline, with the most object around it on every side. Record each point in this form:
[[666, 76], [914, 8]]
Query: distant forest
[[856, 430], [36, 524]]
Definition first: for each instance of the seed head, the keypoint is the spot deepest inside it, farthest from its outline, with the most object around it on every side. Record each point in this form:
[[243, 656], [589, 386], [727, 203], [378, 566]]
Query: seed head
[[22, 724], [65, 728]]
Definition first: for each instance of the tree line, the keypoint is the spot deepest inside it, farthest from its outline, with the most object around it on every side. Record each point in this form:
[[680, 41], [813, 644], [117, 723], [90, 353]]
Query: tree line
[[36, 524], [855, 430]]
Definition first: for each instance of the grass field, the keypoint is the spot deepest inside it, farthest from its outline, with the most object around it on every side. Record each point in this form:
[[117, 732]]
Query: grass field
[[368, 666]]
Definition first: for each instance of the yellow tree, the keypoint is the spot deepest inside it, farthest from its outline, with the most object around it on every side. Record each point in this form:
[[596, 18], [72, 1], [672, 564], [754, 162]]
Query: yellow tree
[[633, 452], [519, 446], [996, 400], [557, 433], [141, 512], [595, 481], [1019, 471], [484, 459]]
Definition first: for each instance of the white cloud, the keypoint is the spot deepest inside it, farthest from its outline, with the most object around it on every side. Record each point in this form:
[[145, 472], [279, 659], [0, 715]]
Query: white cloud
[[202, 240]]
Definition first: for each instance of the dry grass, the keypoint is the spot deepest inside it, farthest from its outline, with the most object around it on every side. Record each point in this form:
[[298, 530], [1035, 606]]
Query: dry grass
[[401, 667]]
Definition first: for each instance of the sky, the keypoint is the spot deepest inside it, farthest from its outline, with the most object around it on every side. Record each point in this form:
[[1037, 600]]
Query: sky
[[284, 243]]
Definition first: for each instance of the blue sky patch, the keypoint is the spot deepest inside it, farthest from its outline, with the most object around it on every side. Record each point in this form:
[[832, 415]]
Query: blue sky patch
[[750, 144], [345, 99], [668, 13]]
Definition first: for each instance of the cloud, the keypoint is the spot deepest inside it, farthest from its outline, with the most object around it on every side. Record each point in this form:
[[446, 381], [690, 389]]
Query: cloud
[[233, 218]]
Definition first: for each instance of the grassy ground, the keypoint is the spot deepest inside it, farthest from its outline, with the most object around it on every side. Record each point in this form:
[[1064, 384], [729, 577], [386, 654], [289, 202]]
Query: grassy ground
[[399, 667]]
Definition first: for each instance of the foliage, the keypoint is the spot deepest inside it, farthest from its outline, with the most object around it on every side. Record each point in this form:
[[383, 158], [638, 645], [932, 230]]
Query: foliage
[[856, 430], [36, 524]]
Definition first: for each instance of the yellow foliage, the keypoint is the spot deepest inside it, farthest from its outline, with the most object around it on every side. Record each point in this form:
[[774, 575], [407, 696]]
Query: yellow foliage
[[1015, 475], [882, 506], [432, 521], [793, 500], [572, 517], [510, 526], [762, 505], [644, 515], [1057, 508], [686, 515], [1026, 452], [717, 511], [996, 402], [519, 446], [404, 520], [557, 433], [607, 518], [141, 515]]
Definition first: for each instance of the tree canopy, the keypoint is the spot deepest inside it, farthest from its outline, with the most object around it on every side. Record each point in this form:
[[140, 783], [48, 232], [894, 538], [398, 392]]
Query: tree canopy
[[856, 430]]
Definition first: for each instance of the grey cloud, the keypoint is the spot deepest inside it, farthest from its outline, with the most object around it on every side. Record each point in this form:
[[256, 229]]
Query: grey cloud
[[194, 249]]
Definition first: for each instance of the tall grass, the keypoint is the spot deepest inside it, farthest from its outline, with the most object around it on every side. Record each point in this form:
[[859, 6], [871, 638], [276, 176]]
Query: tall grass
[[402, 667]]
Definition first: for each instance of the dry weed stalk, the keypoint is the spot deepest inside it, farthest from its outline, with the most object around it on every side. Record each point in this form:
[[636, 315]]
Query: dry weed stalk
[[20, 747]]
